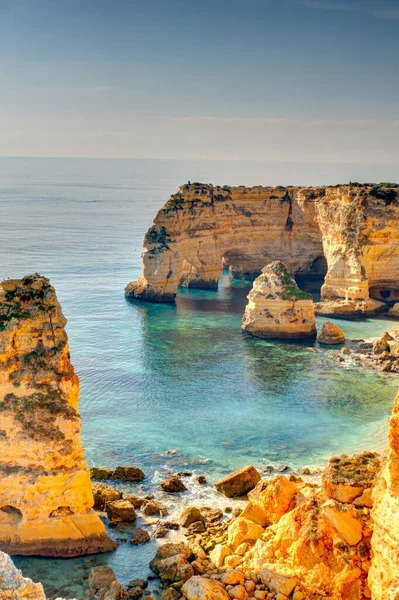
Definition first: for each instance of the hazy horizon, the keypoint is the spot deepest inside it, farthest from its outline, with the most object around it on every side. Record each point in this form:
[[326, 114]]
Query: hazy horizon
[[288, 81]]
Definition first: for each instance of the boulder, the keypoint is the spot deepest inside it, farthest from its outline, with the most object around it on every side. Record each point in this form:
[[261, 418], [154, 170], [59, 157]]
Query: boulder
[[170, 594], [140, 536], [103, 584], [173, 485], [239, 482], [382, 344], [277, 308], [153, 507], [128, 474], [279, 583], [243, 530], [330, 334], [190, 515], [219, 553], [394, 311], [211, 514], [13, 586], [171, 562], [100, 473], [137, 501], [121, 511], [274, 497], [199, 588], [103, 494], [256, 514], [347, 477]]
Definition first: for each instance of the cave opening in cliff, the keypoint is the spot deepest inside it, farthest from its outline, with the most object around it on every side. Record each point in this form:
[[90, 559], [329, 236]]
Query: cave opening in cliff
[[10, 515], [387, 293], [312, 281]]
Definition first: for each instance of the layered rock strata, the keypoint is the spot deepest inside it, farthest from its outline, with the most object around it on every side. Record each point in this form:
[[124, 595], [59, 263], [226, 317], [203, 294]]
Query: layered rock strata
[[351, 231], [45, 492], [277, 308], [384, 571]]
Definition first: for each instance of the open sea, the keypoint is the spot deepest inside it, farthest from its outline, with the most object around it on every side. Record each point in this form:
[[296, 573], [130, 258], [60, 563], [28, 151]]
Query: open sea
[[172, 387]]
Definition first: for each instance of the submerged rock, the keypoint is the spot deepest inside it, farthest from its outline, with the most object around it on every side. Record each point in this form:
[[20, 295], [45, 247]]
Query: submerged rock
[[45, 491], [277, 308], [330, 334], [239, 482]]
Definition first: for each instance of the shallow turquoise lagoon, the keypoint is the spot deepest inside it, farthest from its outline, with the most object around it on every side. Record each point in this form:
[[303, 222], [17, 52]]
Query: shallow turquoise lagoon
[[171, 387]]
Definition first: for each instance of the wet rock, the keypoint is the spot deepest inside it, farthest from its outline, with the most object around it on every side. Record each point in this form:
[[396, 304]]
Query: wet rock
[[170, 594], [137, 501], [142, 583], [211, 514], [100, 473], [382, 345], [161, 532], [201, 479], [173, 485], [172, 525], [121, 511], [171, 562], [103, 494], [128, 474], [133, 593], [153, 507], [103, 584], [239, 482], [197, 527], [330, 334], [140, 536], [184, 474], [190, 515]]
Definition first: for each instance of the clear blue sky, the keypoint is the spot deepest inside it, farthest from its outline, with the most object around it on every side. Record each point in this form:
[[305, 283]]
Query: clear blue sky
[[304, 80]]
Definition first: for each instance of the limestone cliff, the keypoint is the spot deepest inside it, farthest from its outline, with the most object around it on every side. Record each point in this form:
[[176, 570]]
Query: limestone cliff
[[384, 571], [277, 308], [45, 493], [355, 229]]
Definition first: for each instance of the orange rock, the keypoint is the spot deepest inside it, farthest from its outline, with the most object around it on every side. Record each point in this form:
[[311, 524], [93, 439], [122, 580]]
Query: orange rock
[[274, 497], [45, 493]]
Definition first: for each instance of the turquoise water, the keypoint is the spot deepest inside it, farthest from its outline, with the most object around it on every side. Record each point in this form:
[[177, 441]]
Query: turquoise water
[[171, 387]]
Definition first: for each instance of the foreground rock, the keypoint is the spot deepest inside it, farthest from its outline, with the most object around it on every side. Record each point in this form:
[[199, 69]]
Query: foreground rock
[[349, 478], [384, 571], [330, 334], [103, 585], [13, 586], [327, 230], [45, 492], [239, 482], [198, 588], [172, 562], [277, 308]]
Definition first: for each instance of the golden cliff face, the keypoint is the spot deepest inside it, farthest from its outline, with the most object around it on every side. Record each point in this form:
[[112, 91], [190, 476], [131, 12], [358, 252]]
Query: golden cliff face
[[45, 493], [203, 228], [277, 308], [384, 571]]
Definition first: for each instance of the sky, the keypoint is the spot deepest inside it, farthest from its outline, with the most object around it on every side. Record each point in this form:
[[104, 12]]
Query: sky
[[284, 80]]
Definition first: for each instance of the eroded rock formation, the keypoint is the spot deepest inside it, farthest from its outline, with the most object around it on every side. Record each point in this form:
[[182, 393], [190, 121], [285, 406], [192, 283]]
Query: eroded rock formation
[[45, 492], [277, 308], [384, 571], [355, 229]]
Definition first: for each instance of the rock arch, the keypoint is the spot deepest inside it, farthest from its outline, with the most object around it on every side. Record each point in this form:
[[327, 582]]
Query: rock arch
[[203, 227]]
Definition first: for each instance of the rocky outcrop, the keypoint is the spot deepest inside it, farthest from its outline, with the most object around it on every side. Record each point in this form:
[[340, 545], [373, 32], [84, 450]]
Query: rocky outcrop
[[45, 493], [330, 334], [351, 231], [277, 308], [384, 571], [13, 586]]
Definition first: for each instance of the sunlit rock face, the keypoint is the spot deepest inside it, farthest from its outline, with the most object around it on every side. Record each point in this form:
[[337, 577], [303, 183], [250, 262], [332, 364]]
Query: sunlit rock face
[[45, 493], [277, 308], [203, 228], [384, 571]]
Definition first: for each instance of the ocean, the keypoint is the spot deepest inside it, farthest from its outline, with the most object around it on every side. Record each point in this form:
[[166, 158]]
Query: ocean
[[172, 387]]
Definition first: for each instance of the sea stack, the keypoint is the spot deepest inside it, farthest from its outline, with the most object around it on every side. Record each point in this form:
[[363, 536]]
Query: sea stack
[[277, 308], [45, 492]]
